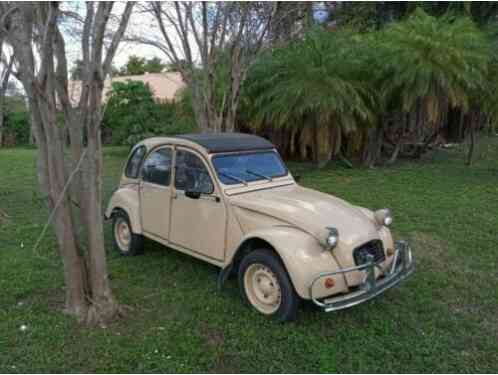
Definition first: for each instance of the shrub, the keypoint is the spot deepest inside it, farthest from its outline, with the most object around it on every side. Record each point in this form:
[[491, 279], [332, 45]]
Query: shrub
[[17, 128], [131, 114]]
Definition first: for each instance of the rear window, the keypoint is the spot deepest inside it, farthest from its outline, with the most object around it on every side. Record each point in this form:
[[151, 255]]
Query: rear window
[[133, 166]]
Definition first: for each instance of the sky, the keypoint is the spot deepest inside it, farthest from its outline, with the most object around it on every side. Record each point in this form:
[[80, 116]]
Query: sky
[[140, 24], [145, 25]]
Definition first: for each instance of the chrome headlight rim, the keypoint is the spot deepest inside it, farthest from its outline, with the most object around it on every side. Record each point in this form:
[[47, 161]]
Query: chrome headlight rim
[[332, 237], [384, 217]]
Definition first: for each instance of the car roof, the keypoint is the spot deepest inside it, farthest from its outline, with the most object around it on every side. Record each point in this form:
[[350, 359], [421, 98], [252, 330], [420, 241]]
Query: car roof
[[216, 142], [226, 142]]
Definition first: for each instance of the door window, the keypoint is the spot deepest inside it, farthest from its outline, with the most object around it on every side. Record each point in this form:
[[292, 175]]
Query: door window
[[157, 167], [191, 173]]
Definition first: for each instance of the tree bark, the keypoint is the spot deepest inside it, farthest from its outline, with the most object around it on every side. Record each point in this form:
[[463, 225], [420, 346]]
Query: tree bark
[[374, 141], [1, 124], [394, 155], [6, 75], [470, 154]]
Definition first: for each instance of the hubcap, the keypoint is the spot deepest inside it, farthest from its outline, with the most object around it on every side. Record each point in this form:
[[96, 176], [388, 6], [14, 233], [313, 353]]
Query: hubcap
[[122, 234], [262, 288]]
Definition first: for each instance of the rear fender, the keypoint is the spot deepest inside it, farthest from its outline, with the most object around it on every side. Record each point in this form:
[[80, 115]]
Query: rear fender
[[127, 198]]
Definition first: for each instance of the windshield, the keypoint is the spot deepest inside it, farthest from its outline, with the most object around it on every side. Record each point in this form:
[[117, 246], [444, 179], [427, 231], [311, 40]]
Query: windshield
[[242, 168]]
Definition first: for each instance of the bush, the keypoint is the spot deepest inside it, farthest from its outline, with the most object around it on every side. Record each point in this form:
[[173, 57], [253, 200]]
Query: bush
[[16, 128], [131, 114]]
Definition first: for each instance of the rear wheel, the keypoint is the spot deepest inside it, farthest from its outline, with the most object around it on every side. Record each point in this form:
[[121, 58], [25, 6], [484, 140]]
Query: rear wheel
[[265, 285], [125, 241]]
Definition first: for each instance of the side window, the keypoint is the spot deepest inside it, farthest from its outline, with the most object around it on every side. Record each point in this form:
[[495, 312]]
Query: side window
[[157, 167], [191, 173], [133, 166]]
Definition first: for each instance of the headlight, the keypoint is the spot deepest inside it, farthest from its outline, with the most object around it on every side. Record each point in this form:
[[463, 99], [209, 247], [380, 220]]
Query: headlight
[[332, 237], [384, 217]]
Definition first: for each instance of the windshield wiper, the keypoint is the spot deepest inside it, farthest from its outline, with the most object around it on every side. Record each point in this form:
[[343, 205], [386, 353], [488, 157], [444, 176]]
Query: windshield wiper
[[259, 175], [233, 178]]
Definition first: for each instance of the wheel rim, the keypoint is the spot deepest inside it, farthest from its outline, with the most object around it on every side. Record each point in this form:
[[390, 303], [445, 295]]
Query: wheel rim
[[122, 233], [262, 288]]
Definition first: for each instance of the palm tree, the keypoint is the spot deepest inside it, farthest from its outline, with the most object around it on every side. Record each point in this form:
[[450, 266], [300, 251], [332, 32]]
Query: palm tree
[[432, 64], [312, 85]]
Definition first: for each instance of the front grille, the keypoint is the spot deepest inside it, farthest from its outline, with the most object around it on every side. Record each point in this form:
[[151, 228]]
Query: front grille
[[374, 248]]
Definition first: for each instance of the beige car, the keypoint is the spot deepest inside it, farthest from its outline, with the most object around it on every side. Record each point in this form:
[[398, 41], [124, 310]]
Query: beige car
[[229, 200]]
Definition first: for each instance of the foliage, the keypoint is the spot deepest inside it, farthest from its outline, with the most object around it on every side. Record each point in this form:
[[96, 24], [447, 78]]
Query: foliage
[[139, 65], [17, 122], [132, 114], [176, 66], [434, 59], [154, 65], [366, 16], [406, 75], [17, 125], [316, 78], [76, 72], [442, 319]]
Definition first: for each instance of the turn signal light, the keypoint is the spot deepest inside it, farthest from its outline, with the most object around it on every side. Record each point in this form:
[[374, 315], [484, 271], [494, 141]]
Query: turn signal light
[[329, 282]]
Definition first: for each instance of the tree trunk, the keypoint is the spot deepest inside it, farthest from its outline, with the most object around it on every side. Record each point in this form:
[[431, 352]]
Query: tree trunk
[[1, 127], [51, 174], [373, 148], [461, 124], [103, 307], [394, 155], [316, 159], [470, 154], [3, 89]]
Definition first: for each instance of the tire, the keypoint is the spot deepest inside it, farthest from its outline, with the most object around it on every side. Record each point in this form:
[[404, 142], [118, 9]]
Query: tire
[[265, 285], [125, 241]]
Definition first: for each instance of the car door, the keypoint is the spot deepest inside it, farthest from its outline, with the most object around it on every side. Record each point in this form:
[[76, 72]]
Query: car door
[[198, 216], [155, 192]]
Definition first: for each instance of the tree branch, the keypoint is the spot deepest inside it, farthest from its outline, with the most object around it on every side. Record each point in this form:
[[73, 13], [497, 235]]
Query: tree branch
[[118, 35]]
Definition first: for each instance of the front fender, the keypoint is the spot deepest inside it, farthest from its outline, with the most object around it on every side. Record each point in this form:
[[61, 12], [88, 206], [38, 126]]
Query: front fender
[[303, 257], [127, 199]]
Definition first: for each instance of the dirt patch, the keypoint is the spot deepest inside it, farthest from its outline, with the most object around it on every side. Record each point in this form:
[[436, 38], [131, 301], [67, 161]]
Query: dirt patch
[[344, 179], [226, 364], [215, 339], [214, 336], [3, 216]]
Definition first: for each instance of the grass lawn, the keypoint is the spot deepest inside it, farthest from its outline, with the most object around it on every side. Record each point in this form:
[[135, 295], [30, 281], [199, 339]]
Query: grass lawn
[[443, 319]]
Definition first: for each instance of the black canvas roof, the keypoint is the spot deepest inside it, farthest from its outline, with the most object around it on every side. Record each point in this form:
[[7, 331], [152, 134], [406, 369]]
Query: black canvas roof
[[227, 142]]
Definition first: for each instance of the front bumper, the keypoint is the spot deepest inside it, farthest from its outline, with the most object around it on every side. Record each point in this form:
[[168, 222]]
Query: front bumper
[[401, 267]]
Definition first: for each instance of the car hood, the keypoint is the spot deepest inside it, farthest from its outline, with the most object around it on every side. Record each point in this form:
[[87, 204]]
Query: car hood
[[312, 211]]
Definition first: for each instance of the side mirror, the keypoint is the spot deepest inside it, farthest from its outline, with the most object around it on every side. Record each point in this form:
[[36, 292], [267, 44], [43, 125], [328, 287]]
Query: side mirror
[[192, 194]]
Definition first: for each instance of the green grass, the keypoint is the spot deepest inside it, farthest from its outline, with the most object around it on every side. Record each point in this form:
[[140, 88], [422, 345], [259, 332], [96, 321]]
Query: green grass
[[443, 319]]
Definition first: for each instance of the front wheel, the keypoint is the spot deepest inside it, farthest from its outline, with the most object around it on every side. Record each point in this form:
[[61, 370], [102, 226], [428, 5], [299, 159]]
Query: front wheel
[[265, 285]]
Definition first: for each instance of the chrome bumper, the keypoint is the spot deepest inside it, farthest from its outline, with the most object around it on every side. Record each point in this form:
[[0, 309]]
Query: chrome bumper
[[401, 267]]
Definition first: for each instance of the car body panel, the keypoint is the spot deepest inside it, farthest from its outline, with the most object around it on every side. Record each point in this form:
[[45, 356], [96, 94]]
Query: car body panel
[[127, 198], [302, 256]]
